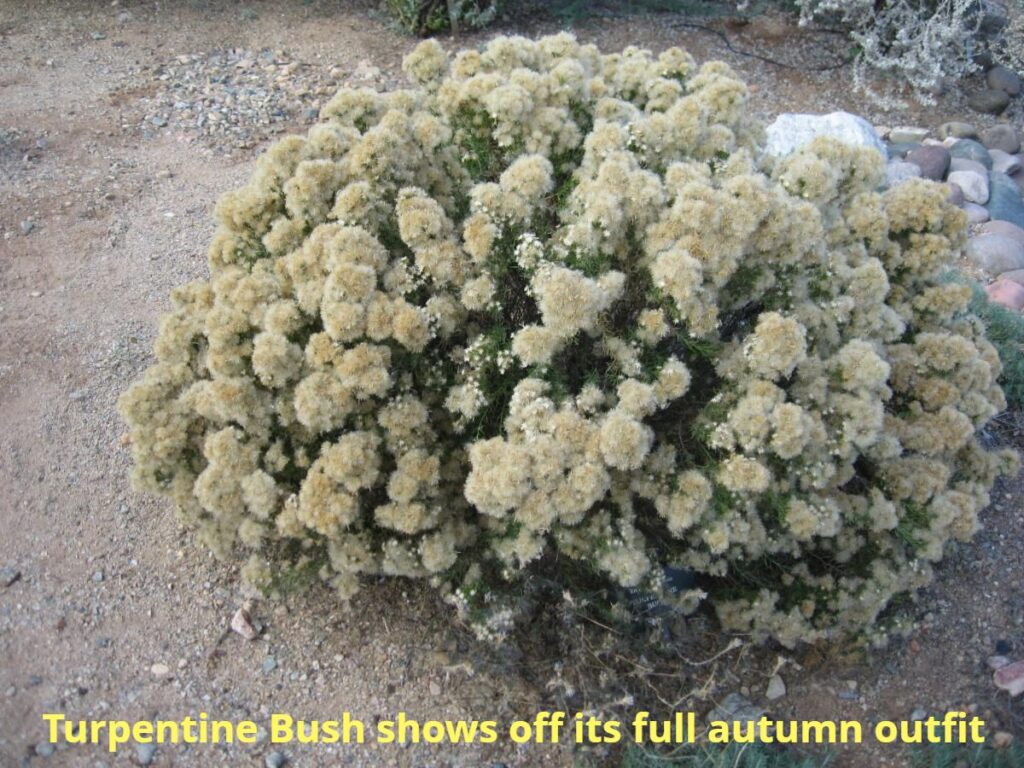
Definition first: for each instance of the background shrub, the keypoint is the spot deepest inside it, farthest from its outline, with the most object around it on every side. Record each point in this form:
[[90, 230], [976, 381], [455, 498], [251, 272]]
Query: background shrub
[[425, 17]]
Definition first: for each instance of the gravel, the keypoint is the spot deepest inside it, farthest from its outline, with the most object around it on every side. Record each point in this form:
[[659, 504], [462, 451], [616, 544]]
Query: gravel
[[234, 98]]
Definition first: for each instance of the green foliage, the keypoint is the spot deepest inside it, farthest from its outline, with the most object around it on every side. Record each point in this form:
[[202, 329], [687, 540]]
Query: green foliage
[[732, 756], [428, 17], [975, 756], [758, 756]]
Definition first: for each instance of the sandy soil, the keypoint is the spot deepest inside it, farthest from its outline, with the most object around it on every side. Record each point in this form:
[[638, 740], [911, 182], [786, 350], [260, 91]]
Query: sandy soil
[[110, 593]]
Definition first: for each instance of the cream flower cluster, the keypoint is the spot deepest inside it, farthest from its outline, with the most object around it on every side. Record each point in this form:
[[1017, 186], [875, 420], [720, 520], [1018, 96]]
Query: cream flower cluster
[[551, 305]]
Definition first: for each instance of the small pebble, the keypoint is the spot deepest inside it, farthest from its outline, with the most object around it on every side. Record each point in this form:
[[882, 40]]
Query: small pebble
[[8, 576], [44, 749], [241, 623], [1002, 740], [275, 759], [1003, 79], [776, 688], [269, 664], [144, 753]]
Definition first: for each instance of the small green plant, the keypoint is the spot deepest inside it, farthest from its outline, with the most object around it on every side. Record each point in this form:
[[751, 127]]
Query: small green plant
[[731, 756], [973, 756], [761, 756], [427, 17]]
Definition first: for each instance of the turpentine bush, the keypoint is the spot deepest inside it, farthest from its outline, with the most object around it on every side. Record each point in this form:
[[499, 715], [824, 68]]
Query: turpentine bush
[[549, 308]]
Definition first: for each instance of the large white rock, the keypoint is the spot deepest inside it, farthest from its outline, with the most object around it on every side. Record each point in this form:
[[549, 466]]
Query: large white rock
[[791, 131], [974, 185]]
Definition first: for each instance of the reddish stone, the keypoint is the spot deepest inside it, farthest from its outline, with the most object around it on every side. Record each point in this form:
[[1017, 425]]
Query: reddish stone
[[1010, 678], [1007, 293]]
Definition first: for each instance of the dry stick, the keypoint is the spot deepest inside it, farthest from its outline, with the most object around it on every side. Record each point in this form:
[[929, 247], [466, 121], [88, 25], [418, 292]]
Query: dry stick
[[733, 645], [749, 54]]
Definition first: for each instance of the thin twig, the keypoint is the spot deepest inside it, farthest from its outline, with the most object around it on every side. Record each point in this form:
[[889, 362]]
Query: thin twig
[[750, 54]]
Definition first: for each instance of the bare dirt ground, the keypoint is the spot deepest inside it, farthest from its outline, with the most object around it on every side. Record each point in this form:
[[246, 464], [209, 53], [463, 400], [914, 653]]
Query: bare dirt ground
[[107, 182]]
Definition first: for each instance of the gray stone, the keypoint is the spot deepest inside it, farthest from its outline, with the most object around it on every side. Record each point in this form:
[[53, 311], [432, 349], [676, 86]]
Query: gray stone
[[1004, 200], [1003, 229], [44, 749], [27, 226], [269, 664], [1003, 79], [993, 19], [989, 101], [275, 759], [735, 708], [1005, 163], [144, 753], [997, 661], [897, 172], [996, 254], [976, 214], [776, 688], [906, 134], [957, 130], [956, 195], [933, 161], [97, 576], [791, 131], [1014, 276], [1004, 137], [969, 149], [974, 185], [963, 164]]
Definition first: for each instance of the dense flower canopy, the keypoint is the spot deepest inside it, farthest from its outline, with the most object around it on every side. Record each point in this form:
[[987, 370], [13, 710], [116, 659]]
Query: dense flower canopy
[[551, 304]]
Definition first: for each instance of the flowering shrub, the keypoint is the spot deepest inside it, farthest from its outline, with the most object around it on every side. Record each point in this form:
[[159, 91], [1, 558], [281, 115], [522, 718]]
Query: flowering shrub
[[549, 307]]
